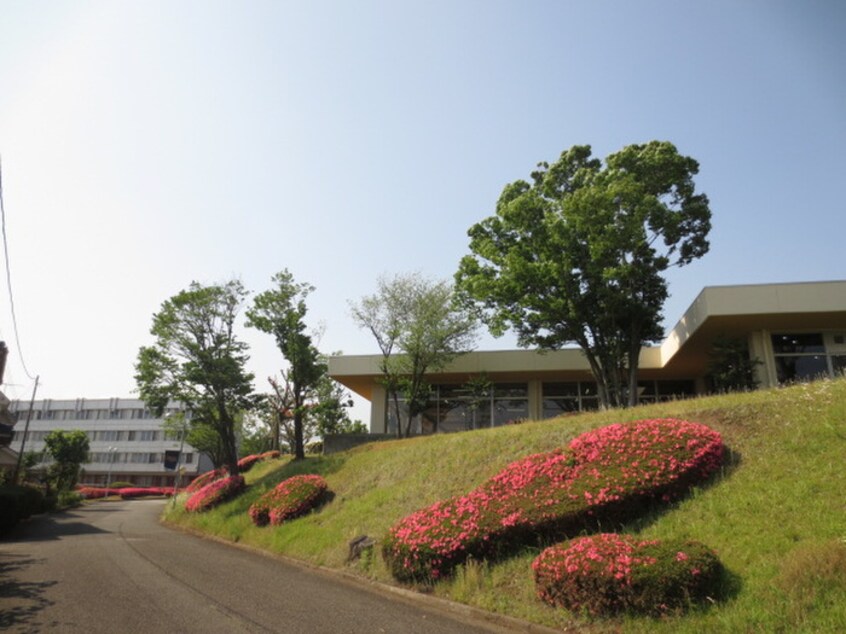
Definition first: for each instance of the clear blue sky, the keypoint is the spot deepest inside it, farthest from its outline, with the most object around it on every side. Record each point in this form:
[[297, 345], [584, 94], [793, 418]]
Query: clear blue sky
[[148, 144]]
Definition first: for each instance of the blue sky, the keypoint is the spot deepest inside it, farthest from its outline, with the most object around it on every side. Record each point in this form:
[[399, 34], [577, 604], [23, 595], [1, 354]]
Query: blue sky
[[149, 144]]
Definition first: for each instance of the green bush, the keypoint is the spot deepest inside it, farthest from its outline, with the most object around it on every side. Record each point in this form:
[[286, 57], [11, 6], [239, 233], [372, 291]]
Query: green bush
[[607, 573], [68, 499], [121, 485], [18, 502]]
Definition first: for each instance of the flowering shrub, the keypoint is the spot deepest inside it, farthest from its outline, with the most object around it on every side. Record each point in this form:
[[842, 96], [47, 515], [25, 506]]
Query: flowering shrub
[[270, 455], [126, 493], [139, 492], [607, 574], [608, 472], [215, 493], [206, 478], [289, 499], [90, 493], [247, 462]]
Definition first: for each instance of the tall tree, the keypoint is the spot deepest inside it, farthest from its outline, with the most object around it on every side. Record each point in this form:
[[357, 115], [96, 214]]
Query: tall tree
[[281, 312], [577, 256], [419, 329], [197, 360], [69, 450]]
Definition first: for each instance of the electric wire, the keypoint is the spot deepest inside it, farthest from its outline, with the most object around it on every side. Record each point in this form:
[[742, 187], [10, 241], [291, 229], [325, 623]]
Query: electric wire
[[9, 277]]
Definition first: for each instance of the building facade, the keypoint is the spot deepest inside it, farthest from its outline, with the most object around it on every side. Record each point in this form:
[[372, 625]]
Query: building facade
[[795, 331], [127, 442]]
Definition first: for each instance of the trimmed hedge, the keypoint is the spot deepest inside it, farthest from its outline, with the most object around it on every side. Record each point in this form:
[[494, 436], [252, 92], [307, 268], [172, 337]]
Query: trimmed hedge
[[18, 502], [140, 492], [247, 462], [611, 472], [607, 574], [206, 478], [93, 493], [215, 493], [291, 498]]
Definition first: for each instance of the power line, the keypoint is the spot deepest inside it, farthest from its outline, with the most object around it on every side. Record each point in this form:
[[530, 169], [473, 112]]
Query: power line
[[9, 278]]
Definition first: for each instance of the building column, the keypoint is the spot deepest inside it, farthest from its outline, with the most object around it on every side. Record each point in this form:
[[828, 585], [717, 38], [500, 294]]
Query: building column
[[761, 348], [378, 410], [535, 388]]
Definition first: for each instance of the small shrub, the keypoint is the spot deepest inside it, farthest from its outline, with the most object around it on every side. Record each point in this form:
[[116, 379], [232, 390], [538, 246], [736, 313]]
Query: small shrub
[[215, 493], [120, 485], [607, 574], [291, 498], [270, 455], [68, 499], [128, 493], [203, 479], [18, 502], [247, 462], [611, 472], [92, 493]]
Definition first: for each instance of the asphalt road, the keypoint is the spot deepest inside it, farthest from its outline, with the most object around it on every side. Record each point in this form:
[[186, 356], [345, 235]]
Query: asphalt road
[[110, 567]]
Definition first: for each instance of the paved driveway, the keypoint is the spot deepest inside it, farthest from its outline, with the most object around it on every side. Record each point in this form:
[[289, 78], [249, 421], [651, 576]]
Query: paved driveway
[[110, 567]]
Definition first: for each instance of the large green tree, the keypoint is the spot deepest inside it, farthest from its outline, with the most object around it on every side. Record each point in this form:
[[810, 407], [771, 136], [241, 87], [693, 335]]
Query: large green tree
[[281, 312], [577, 256], [197, 360], [419, 329], [69, 450]]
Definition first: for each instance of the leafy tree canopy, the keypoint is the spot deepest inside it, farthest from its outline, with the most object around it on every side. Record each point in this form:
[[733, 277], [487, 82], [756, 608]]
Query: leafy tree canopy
[[197, 360], [281, 312], [576, 256], [69, 450], [419, 328]]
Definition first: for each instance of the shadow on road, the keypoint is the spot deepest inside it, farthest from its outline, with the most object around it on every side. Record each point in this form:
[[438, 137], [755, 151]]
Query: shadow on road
[[21, 600], [50, 527]]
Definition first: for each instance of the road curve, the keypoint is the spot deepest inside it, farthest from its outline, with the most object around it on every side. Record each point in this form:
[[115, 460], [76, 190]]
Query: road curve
[[111, 567]]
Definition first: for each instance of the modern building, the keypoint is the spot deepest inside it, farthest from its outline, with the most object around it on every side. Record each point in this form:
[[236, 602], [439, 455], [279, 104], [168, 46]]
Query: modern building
[[127, 442], [797, 332]]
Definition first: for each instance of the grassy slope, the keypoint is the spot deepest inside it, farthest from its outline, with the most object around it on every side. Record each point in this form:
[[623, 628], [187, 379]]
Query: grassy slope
[[777, 516]]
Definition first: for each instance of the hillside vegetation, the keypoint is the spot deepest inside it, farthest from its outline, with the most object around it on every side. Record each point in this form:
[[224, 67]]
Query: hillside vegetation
[[776, 514]]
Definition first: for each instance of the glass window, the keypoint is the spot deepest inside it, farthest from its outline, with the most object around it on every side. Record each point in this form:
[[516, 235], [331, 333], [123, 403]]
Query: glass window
[[511, 390], [560, 389], [510, 411], [798, 343], [553, 407], [675, 388], [800, 367], [838, 364]]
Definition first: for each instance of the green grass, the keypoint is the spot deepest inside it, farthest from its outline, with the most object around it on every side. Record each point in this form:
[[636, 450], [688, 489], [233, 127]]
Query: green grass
[[776, 515]]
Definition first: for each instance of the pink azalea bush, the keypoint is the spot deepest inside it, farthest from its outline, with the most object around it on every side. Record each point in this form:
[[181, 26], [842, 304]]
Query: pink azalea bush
[[291, 498], [248, 462], [215, 493], [139, 492], [206, 478], [611, 472], [607, 574], [90, 493]]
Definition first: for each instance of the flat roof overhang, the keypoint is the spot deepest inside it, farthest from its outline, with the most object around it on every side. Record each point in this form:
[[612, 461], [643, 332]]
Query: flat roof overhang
[[729, 311]]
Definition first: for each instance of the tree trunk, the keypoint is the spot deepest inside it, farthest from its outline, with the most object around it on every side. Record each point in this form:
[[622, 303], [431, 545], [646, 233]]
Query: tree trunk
[[634, 364], [397, 413], [299, 449], [227, 437]]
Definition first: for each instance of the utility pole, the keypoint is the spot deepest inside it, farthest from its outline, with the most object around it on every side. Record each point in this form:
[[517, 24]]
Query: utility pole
[[26, 431]]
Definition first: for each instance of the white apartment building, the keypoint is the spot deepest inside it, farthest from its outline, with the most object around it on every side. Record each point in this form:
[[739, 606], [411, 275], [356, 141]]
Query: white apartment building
[[127, 442]]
